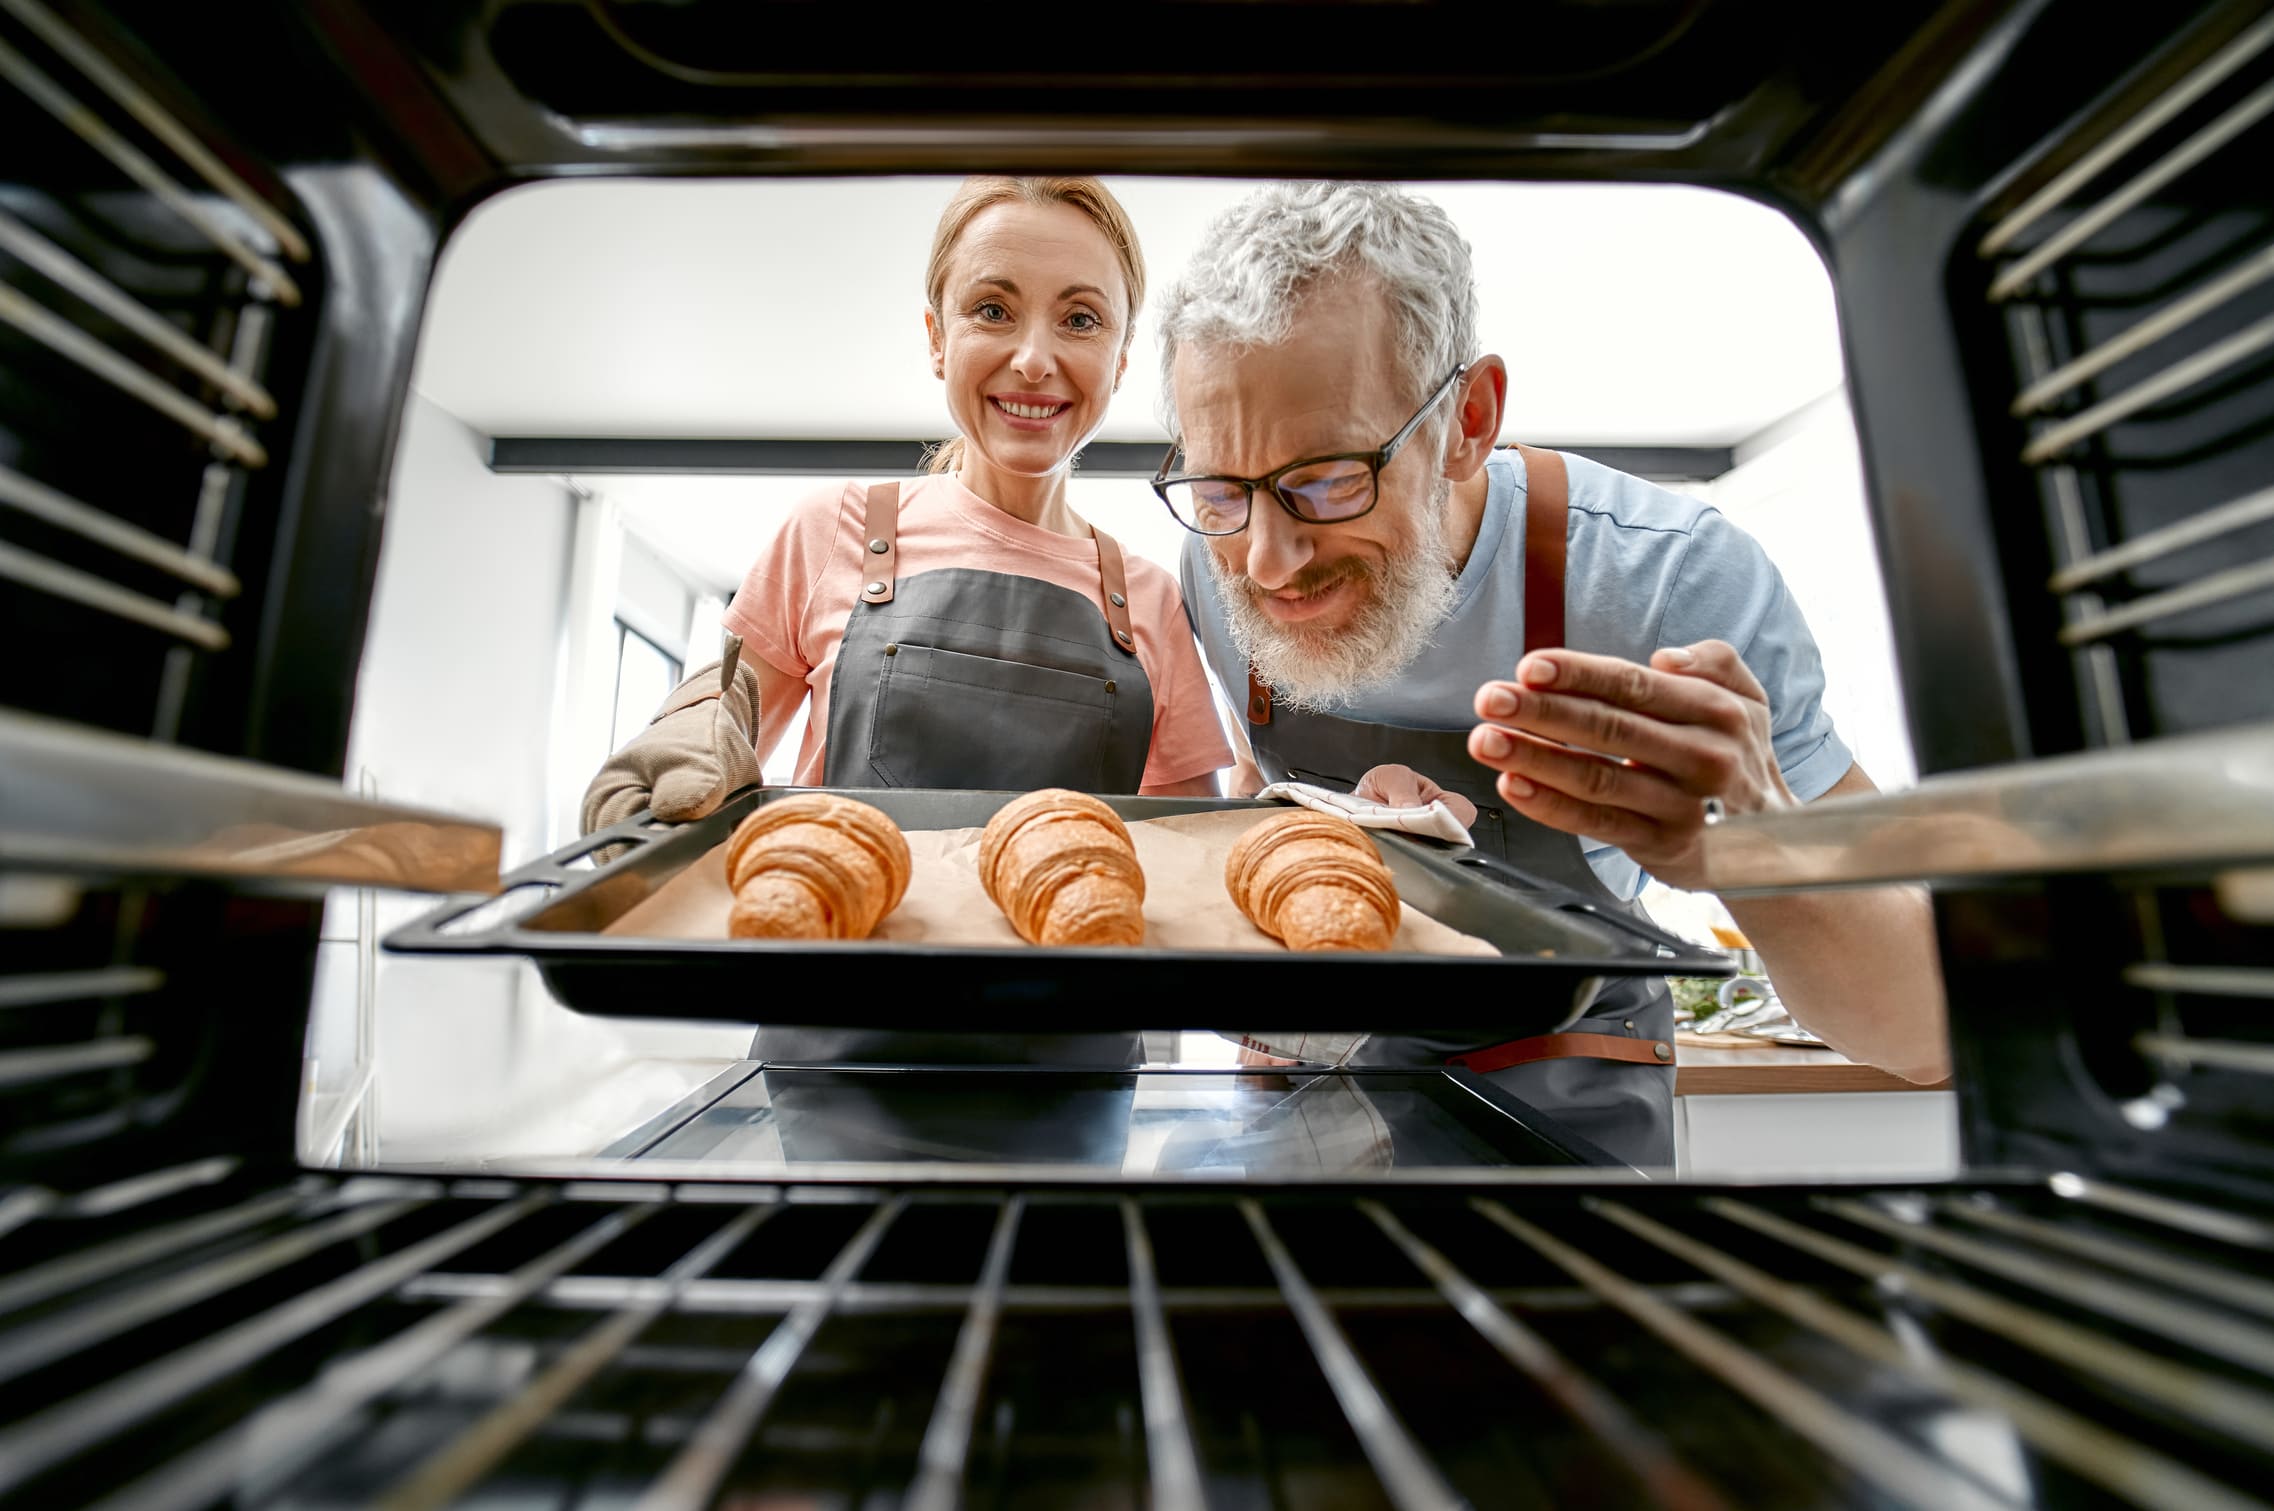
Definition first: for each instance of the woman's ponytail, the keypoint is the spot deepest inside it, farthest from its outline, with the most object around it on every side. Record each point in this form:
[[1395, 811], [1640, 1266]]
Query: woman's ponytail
[[947, 456]]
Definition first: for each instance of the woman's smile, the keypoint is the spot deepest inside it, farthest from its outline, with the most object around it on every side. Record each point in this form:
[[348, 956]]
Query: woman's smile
[[1027, 411]]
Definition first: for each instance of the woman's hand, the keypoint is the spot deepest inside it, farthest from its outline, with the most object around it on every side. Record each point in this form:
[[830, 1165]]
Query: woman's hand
[[1403, 787]]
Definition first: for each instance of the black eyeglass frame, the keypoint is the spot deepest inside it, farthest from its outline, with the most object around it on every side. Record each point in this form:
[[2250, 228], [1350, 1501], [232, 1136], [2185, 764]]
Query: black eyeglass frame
[[1269, 482]]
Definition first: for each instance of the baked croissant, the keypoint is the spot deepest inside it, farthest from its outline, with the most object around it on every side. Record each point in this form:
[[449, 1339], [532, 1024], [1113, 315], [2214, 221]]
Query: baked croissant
[[814, 866], [1061, 867], [1313, 882]]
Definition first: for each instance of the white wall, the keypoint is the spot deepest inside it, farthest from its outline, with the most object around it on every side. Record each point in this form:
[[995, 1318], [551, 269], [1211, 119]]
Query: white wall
[[456, 709], [456, 687], [1799, 491]]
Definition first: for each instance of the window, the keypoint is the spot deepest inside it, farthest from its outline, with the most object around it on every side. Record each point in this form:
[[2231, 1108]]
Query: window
[[645, 674]]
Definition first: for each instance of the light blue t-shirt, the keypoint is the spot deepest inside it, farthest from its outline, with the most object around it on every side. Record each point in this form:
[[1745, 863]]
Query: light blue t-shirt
[[1645, 568]]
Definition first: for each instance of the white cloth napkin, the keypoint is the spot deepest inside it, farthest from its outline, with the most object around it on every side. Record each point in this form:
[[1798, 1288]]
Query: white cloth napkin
[[1432, 820]]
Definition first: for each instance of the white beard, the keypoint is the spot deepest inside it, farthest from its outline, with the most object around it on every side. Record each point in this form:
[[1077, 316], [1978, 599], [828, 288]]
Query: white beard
[[1406, 599]]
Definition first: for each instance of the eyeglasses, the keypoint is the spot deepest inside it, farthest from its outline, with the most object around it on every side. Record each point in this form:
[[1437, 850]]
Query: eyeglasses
[[1318, 490]]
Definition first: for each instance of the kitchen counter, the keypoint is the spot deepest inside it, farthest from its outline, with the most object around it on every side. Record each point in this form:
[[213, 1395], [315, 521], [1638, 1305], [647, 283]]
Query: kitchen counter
[[1775, 1069], [1790, 1112]]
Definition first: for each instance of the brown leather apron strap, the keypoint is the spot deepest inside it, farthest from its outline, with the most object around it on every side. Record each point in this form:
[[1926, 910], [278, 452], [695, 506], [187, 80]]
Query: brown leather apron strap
[[1259, 699], [1116, 585], [1547, 504], [1564, 1047], [880, 543]]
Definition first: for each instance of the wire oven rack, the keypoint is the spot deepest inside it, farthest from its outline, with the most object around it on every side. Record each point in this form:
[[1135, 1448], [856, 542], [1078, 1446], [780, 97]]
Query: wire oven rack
[[2136, 288], [1419, 1343]]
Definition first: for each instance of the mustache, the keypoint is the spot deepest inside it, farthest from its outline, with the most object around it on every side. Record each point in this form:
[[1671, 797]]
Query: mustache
[[1313, 579]]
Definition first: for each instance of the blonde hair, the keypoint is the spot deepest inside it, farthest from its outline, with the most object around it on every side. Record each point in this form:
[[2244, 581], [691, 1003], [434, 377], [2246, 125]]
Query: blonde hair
[[984, 192]]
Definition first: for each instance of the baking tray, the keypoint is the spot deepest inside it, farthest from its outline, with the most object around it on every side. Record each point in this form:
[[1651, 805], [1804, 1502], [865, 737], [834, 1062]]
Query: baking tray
[[551, 912]]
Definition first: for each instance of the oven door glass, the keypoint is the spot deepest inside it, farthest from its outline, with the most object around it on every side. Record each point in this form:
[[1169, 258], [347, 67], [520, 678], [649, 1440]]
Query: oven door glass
[[1204, 1123]]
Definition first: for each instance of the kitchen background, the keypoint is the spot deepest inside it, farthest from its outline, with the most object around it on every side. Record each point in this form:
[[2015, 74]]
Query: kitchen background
[[524, 625]]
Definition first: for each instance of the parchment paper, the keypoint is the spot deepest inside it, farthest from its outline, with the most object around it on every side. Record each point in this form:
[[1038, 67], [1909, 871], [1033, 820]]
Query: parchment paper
[[1186, 906]]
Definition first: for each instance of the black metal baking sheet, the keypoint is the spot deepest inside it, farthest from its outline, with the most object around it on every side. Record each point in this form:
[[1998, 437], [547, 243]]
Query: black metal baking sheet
[[1557, 948]]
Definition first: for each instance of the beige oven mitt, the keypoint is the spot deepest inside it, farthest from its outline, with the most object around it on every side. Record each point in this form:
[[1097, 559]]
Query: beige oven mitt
[[695, 751]]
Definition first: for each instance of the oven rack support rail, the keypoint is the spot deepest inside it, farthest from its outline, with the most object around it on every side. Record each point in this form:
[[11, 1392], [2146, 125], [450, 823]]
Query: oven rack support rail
[[2191, 805], [83, 801]]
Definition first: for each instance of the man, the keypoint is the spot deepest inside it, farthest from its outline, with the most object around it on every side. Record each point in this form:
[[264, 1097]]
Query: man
[[1358, 577]]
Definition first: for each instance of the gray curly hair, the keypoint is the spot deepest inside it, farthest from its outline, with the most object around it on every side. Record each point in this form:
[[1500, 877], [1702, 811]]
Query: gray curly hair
[[1259, 259]]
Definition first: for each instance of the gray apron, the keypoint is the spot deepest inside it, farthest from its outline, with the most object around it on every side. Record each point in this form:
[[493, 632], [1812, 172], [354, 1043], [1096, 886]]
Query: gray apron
[[1619, 1094], [970, 679]]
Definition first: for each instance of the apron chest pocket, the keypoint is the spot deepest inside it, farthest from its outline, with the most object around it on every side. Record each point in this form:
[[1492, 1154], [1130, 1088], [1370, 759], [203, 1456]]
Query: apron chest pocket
[[946, 719]]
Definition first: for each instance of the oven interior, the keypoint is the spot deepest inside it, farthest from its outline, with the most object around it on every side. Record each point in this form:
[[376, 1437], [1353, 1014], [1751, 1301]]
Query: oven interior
[[2053, 243]]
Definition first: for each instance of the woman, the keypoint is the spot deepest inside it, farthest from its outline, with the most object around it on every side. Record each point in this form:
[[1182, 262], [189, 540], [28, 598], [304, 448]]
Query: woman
[[970, 630], [967, 630]]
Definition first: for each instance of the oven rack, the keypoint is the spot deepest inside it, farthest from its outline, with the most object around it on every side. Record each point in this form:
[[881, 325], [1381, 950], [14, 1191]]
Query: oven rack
[[192, 360], [2122, 271], [2135, 286], [945, 1339], [158, 321]]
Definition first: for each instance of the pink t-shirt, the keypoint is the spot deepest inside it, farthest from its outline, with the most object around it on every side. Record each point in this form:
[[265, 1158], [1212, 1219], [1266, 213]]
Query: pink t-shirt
[[798, 594]]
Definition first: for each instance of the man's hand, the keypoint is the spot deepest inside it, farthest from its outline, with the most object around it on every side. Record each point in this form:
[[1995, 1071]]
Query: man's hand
[[1629, 754], [1403, 787]]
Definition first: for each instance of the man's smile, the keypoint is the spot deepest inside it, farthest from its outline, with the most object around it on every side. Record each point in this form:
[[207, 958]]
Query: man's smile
[[1293, 606], [1316, 592]]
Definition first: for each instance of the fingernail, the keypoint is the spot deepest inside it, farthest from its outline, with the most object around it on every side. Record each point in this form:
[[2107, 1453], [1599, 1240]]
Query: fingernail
[[1495, 744], [1677, 658], [1516, 787], [1539, 671], [1500, 703]]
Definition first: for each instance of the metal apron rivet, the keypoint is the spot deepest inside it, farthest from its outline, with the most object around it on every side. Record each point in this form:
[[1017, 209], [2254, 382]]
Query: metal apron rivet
[[876, 587], [1117, 600], [1663, 1050], [879, 547], [1121, 636], [1109, 687], [1630, 1021], [894, 650]]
